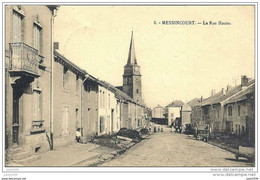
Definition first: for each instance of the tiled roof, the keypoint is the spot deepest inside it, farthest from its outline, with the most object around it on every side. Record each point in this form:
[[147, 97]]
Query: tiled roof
[[69, 63], [242, 94], [120, 94], [176, 103], [194, 102], [230, 93], [210, 99]]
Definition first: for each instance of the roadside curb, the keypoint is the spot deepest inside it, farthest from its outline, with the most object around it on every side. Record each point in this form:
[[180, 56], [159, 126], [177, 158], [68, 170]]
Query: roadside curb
[[234, 151]]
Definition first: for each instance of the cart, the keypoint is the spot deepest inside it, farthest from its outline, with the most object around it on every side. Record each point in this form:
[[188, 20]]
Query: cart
[[202, 132]]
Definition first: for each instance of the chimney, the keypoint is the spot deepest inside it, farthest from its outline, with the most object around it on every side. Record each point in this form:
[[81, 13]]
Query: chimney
[[201, 98], [213, 92], [222, 91], [228, 88], [244, 81], [56, 45]]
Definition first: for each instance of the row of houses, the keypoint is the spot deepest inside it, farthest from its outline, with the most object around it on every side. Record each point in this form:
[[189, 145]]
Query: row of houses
[[176, 112], [47, 97], [231, 110]]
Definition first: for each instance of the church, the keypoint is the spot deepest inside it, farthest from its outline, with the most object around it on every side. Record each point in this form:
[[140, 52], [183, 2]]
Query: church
[[134, 112], [132, 84]]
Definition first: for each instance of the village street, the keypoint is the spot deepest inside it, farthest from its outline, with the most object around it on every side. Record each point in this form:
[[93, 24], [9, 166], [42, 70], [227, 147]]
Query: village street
[[170, 149]]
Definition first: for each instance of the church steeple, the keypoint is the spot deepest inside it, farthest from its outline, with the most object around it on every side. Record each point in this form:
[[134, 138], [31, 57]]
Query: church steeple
[[131, 54], [132, 85]]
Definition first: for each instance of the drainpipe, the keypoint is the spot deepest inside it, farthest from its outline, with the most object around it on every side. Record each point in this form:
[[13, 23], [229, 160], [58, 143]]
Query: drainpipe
[[86, 77], [54, 14]]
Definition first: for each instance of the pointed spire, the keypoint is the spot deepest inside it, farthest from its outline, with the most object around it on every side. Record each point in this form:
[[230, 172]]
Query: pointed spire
[[131, 55]]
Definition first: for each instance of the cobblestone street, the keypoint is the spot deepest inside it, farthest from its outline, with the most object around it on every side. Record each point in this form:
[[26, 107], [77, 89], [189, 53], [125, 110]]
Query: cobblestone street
[[170, 149]]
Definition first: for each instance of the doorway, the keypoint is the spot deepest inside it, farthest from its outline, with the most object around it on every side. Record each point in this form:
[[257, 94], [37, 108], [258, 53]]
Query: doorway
[[17, 93], [112, 120]]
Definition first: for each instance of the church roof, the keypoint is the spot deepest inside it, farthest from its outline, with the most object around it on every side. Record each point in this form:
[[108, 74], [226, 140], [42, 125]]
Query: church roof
[[131, 55]]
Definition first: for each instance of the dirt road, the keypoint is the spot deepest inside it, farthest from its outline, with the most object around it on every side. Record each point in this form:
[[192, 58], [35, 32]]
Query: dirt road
[[170, 149]]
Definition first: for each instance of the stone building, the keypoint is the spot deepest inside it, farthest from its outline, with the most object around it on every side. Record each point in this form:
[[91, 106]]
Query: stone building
[[90, 105], [67, 99], [240, 112], [158, 112], [195, 111], [28, 57], [230, 110], [185, 114]]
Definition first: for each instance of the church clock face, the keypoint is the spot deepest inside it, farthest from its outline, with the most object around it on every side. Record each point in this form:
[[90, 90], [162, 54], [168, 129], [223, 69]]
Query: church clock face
[[136, 68]]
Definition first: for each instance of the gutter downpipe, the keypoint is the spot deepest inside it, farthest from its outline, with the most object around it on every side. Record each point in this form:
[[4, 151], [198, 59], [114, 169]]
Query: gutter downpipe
[[52, 59]]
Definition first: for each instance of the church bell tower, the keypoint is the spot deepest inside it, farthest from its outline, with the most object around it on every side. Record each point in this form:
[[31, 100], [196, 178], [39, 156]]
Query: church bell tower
[[132, 85]]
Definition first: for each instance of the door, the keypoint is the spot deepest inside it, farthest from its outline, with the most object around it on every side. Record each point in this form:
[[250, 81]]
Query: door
[[65, 120], [112, 120], [17, 92]]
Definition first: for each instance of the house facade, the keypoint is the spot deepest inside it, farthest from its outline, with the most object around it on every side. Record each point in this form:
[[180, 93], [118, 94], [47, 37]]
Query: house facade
[[158, 112], [173, 113], [28, 57], [90, 108], [185, 114], [67, 100], [240, 113]]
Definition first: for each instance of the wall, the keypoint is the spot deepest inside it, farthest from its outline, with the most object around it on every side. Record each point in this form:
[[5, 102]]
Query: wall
[[90, 110], [158, 113], [64, 132], [176, 114], [107, 103], [41, 84]]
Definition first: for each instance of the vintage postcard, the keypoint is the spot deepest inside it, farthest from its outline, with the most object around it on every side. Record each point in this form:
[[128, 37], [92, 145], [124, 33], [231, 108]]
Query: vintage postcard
[[156, 86]]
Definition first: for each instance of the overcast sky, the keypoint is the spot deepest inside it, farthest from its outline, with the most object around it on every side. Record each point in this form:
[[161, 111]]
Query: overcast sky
[[177, 62]]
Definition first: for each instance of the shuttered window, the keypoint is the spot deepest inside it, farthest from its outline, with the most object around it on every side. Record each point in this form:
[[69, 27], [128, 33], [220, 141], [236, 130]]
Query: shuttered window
[[17, 27], [65, 78], [36, 36]]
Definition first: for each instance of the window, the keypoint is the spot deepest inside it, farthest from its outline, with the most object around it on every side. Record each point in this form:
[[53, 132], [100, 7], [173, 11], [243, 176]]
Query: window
[[238, 110], [36, 36], [102, 124], [77, 83], [101, 99], [104, 100], [65, 78], [109, 101], [137, 91], [229, 110], [172, 114], [17, 27], [37, 105], [76, 113], [218, 114]]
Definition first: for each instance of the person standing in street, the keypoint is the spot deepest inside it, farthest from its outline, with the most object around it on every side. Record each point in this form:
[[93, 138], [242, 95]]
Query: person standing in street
[[78, 135]]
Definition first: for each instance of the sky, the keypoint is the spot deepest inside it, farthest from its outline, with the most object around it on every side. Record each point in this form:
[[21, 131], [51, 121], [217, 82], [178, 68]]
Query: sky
[[178, 62]]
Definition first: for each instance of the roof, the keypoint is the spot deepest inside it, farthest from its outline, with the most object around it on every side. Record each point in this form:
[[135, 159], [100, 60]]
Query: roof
[[230, 93], [159, 106], [186, 107], [242, 95], [176, 103], [69, 64], [209, 100], [131, 56], [226, 95], [194, 102], [118, 93]]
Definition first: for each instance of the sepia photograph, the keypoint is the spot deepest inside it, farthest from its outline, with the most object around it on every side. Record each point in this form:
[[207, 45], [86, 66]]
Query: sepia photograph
[[137, 85]]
